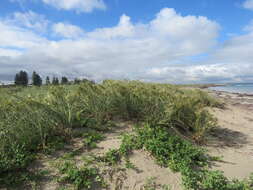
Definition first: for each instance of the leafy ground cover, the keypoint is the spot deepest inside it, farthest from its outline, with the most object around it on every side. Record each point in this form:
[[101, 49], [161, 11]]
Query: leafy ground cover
[[181, 156]]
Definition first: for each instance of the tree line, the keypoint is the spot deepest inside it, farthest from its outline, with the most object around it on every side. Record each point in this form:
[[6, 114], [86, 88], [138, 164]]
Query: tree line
[[22, 78]]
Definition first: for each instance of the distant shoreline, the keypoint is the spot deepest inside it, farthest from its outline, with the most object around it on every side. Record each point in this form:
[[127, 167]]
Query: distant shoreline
[[234, 88], [243, 100], [234, 93], [201, 86]]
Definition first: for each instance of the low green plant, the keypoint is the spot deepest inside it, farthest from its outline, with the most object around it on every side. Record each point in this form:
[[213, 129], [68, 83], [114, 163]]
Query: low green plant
[[111, 157], [182, 156], [129, 164], [64, 188], [91, 138], [12, 180], [129, 143], [81, 177], [150, 184], [71, 155]]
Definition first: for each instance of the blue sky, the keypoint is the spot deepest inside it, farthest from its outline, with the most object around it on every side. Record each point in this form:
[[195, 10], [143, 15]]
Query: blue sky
[[229, 13], [178, 41]]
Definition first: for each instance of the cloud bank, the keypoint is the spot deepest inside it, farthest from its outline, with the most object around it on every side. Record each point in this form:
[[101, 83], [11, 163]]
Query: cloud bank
[[166, 49]]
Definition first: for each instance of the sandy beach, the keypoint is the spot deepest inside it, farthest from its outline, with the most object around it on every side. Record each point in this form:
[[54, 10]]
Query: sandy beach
[[233, 141]]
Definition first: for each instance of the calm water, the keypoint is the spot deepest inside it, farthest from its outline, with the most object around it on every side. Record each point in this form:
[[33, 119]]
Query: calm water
[[237, 88]]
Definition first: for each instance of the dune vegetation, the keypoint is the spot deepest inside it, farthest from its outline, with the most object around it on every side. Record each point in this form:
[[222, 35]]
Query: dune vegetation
[[170, 123]]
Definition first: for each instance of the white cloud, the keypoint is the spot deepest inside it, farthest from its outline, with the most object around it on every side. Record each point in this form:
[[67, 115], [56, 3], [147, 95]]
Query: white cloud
[[17, 37], [189, 30], [153, 51], [238, 49], [160, 50], [205, 73], [9, 52], [77, 5], [124, 29], [248, 4], [127, 50], [67, 30], [231, 61], [30, 20]]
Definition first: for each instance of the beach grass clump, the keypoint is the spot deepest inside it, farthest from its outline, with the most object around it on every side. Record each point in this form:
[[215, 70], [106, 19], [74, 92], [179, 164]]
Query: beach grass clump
[[139, 101], [203, 98], [26, 126], [187, 117], [159, 104]]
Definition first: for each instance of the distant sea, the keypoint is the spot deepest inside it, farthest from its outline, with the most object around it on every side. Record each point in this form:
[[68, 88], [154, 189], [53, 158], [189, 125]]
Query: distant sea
[[235, 88]]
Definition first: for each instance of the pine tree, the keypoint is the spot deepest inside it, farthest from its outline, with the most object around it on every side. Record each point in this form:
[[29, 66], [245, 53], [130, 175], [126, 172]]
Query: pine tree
[[55, 81], [47, 80], [17, 79], [21, 78], [64, 80], [77, 81], [36, 79]]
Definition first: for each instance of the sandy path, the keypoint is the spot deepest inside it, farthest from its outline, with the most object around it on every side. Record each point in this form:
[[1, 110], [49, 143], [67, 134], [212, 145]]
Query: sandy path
[[147, 168], [234, 140]]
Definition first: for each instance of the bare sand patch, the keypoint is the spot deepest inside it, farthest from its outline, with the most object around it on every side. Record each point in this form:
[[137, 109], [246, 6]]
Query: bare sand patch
[[234, 139]]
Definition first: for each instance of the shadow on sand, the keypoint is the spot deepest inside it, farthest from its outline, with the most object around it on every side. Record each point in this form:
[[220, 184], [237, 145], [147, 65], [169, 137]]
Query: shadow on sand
[[223, 137]]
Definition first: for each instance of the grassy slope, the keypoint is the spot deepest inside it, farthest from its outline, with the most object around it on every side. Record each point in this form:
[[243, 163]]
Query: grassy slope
[[37, 119]]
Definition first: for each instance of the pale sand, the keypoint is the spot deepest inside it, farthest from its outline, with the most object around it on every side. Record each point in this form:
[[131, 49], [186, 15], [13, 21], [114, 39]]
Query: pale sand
[[234, 140]]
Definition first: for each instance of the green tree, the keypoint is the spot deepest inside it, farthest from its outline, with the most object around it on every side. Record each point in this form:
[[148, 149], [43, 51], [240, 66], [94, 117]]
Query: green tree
[[88, 81], [55, 81], [36, 79], [21, 78], [48, 81], [64, 80], [77, 81]]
